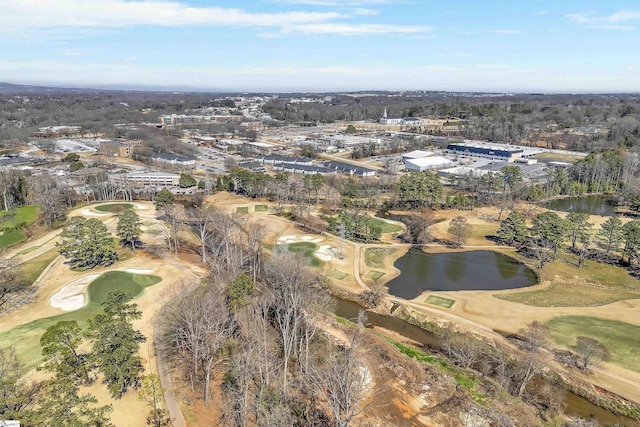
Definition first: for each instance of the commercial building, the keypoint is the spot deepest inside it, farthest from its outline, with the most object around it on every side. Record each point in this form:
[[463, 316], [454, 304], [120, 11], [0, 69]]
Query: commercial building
[[488, 150], [119, 149], [349, 169], [186, 119], [426, 163], [461, 171], [253, 166], [276, 158], [303, 169], [417, 154], [157, 179], [174, 161]]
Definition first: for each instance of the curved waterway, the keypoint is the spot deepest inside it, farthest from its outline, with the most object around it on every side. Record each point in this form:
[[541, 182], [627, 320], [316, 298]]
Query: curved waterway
[[458, 271], [574, 405], [593, 205]]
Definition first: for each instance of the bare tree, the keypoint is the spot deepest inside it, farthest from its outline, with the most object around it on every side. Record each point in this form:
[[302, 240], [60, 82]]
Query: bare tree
[[11, 286], [536, 357], [202, 219], [464, 351], [460, 229], [291, 289], [590, 352], [344, 381]]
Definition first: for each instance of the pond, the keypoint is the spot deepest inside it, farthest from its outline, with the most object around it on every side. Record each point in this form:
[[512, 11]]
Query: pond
[[594, 205], [458, 271]]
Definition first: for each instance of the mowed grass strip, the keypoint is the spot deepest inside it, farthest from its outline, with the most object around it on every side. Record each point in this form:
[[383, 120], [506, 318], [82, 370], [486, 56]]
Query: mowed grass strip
[[114, 207], [374, 275], [26, 338], [593, 285], [261, 208], [440, 301], [374, 257], [385, 226], [242, 209], [30, 270], [338, 275], [621, 339], [307, 250]]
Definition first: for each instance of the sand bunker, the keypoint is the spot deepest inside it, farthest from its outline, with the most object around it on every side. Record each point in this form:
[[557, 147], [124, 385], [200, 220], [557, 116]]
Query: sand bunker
[[137, 271], [141, 207], [89, 212], [71, 296], [325, 252], [306, 238], [283, 239]]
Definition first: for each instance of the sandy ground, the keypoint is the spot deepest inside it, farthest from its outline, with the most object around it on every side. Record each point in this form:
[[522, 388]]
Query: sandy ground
[[71, 296]]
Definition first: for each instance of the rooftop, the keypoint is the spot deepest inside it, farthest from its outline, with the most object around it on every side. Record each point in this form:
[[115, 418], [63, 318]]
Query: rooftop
[[172, 157]]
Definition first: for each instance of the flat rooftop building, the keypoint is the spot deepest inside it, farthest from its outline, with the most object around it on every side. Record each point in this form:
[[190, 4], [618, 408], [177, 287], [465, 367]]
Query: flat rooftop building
[[417, 154], [426, 163], [303, 169], [349, 169], [276, 158]]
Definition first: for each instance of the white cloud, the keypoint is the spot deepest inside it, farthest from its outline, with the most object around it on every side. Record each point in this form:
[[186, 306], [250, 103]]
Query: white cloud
[[365, 12], [346, 3], [354, 30], [38, 15], [610, 22], [505, 31], [541, 12]]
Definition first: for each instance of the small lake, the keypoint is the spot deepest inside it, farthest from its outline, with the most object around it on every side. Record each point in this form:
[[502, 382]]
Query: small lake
[[593, 205], [458, 271]]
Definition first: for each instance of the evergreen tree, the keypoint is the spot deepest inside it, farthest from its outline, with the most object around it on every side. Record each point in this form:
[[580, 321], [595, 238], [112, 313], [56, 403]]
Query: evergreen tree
[[61, 405], [87, 243], [115, 343], [577, 226], [162, 199], [631, 235], [186, 181], [239, 292], [550, 230], [419, 189], [513, 229], [610, 234], [60, 345], [128, 228]]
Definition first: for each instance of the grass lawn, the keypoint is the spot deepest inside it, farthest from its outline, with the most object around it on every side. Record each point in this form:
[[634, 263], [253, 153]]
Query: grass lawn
[[385, 226], [23, 215], [374, 275], [480, 231], [29, 271], [261, 208], [242, 209], [130, 283], [374, 257], [621, 339], [338, 275], [307, 249], [114, 207], [11, 238], [26, 338], [439, 301], [592, 285]]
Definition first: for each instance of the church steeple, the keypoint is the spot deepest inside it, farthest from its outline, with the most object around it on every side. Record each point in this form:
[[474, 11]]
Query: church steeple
[[385, 113]]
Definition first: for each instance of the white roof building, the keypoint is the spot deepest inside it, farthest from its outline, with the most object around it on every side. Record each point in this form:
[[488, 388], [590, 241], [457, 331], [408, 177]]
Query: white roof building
[[417, 154], [426, 163], [460, 171]]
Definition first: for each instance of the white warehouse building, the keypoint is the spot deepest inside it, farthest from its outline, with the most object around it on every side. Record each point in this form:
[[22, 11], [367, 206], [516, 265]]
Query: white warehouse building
[[427, 163]]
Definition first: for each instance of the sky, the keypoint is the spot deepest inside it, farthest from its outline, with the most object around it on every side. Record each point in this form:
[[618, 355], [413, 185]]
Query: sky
[[324, 45]]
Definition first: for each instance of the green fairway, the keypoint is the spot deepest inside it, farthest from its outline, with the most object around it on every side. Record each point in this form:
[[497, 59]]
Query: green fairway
[[30, 270], [439, 301], [261, 208], [338, 275], [374, 275], [11, 238], [307, 249], [114, 207], [242, 209], [26, 338], [385, 226], [621, 339]]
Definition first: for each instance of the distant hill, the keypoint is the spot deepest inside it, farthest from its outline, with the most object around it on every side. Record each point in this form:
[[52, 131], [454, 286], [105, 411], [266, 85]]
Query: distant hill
[[10, 88], [17, 89]]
